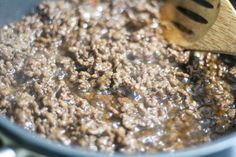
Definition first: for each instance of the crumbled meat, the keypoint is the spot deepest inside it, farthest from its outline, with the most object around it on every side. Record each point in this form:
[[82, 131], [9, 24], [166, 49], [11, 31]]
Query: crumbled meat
[[98, 74]]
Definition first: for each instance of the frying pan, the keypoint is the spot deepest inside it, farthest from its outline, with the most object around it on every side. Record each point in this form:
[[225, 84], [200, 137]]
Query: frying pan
[[15, 141], [19, 141]]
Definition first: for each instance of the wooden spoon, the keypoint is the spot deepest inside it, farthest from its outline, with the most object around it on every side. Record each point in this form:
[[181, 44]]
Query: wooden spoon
[[205, 25]]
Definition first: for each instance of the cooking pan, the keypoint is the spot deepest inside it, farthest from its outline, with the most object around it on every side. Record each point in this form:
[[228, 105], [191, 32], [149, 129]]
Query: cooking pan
[[15, 141], [19, 141]]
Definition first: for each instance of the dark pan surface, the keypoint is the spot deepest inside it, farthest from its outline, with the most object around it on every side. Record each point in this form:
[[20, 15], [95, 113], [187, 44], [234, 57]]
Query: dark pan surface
[[222, 147], [11, 10]]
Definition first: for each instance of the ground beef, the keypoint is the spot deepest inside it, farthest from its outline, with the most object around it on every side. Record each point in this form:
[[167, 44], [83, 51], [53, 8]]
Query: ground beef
[[98, 74]]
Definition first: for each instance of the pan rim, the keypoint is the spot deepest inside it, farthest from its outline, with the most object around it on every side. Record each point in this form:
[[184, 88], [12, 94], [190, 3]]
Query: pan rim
[[43, 146]]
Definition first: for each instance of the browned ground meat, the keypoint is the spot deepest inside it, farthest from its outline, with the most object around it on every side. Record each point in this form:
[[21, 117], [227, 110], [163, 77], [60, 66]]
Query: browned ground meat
[[98, 74]]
